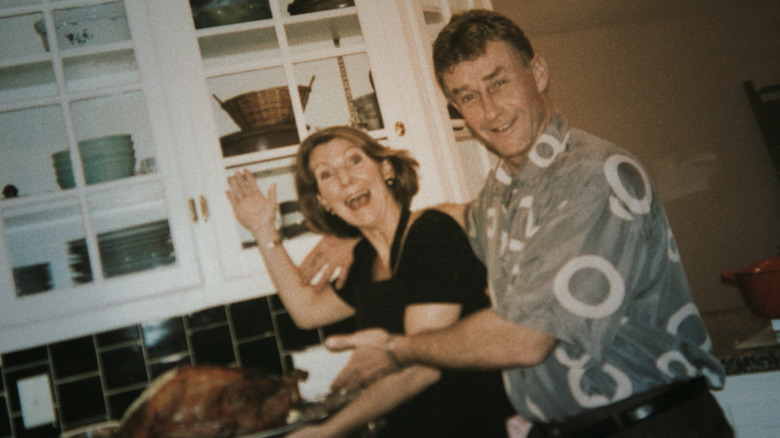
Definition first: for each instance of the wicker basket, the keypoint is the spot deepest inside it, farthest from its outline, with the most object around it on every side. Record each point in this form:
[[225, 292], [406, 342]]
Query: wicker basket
[[257, 109]]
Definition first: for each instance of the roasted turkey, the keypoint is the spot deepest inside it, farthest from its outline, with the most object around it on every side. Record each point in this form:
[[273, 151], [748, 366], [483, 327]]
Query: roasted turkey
[[211, 401]]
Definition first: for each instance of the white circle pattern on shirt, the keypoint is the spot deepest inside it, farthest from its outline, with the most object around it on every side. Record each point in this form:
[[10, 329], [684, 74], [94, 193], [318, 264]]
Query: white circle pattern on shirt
[[634, 205], [608, 306], [547, 141], [623, 386]]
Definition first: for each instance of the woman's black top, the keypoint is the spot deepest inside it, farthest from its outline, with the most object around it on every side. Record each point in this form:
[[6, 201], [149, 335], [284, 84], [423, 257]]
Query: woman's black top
[[436, 265]]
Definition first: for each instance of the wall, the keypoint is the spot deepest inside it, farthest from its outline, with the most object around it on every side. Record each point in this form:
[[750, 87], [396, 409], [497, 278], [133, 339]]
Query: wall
[[671, 92]]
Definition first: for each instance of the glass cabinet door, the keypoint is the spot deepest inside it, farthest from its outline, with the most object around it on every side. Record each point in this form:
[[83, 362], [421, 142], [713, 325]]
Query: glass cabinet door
[[274, 77], [83, 201], [471, 160]]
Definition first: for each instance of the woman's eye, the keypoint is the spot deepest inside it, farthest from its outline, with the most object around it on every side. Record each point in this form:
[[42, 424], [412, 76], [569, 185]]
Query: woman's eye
[[355, 159], [323, 175]]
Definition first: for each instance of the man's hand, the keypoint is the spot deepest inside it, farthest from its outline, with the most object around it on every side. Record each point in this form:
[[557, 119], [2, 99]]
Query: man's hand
[[328, 261], [369, 363]]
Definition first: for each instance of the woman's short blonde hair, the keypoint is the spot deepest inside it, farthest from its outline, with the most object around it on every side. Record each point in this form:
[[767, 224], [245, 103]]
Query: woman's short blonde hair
[[403, 187]]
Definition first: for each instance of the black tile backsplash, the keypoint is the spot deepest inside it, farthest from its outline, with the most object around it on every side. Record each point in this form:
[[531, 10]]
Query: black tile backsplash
[[215, 315], [118, 336], [164, 337], [82, 402], [97, 377], [25, 357], [45, 431], [124, 366], [261, 353], [118, 403], [156, 369], [252, 318], [292, 338], [5, 418], [213, 346], [77, 356]]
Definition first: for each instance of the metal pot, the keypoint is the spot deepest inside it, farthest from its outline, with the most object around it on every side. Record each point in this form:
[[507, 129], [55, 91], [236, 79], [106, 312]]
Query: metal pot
[[760, 286]]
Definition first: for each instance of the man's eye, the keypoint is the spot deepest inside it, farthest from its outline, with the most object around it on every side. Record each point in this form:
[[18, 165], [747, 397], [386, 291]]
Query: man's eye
[[466, 98], [355, 159], [496, 85]]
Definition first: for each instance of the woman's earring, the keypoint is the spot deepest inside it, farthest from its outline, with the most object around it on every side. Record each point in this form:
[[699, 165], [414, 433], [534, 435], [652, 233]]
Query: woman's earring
[[390, 182]]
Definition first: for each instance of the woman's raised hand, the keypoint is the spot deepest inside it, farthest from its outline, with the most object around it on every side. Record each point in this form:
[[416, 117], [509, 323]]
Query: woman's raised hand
[[253, 210]]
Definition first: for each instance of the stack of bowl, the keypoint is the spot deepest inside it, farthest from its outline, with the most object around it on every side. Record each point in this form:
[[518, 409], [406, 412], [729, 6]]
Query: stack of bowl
[[104, 158]]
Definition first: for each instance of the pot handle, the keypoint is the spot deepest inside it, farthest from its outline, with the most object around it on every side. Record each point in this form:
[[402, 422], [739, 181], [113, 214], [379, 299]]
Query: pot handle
[[729, 277]]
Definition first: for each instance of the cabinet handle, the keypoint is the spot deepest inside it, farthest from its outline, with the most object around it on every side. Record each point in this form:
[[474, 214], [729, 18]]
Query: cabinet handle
[[400, 129], [204, 208], [193, 210]]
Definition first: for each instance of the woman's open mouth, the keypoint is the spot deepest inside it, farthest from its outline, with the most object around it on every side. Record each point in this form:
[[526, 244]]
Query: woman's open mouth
[[359, 200]]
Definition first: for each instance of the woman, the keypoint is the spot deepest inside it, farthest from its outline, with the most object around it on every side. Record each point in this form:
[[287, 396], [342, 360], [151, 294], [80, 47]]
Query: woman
[[413, 271]]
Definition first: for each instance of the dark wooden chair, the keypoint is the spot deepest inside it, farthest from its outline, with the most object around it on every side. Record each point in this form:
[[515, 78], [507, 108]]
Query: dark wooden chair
[[765, 102]]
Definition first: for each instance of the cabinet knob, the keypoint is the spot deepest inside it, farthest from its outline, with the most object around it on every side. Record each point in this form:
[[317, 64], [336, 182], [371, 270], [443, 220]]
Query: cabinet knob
[[400, 129], [193, 210], [204, 208]]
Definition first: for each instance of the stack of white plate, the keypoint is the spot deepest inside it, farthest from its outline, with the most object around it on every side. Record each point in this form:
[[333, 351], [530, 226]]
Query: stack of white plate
[[123, 251], [32, 279], [104, 158]]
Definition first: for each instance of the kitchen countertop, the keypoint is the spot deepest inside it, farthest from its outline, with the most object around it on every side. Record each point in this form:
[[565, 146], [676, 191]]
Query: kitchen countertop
[[729, 329]]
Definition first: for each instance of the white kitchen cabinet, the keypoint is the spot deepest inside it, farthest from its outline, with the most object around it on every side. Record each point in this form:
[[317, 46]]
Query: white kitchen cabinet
[[161, 79], [750, 403], [59, 85]]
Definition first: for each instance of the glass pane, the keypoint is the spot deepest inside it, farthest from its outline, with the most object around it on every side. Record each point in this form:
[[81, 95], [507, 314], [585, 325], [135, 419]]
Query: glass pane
[[19, 37], [251, 119], [114, 135], [25, 71], [459, 6], [12, 3], [329, 31], [236, 48], [38, 246], [257, 45], [90, 25], [290, 219], [30, 138], [343, 93], [26, 81], [132, 229], [101, 70], [434, 18], [206, 13]]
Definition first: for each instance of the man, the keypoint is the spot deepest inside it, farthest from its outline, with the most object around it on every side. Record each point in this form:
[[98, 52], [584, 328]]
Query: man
[[593, 322]]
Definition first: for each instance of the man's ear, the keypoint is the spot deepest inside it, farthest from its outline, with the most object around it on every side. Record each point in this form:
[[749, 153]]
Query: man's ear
[[541, 74]]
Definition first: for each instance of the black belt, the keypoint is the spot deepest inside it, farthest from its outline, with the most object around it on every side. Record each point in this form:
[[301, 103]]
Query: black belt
[[626, 413]]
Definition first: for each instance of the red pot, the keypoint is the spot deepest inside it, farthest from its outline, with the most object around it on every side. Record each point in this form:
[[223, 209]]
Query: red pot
[[760, 286]]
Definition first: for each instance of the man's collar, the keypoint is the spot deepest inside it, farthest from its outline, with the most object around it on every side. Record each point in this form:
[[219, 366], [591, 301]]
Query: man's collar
[[554, 136]]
